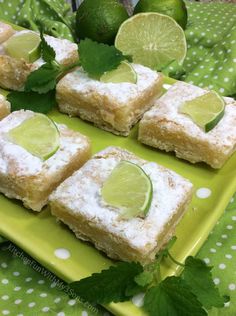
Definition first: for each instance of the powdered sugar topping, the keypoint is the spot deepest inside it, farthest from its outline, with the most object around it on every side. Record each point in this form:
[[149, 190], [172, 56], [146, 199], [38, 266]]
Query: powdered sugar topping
[[121, 92], [167, 107], [15, 159], [81, 193]]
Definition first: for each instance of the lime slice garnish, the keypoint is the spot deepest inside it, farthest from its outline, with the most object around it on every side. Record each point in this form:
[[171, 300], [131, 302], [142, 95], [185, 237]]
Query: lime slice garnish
[[25, 45], [152, 39], [123, 73], [38, 135], [206, 111], [129, 189]]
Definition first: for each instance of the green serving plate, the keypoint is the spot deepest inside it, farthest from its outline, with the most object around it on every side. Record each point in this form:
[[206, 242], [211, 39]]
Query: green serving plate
[[43, 238]]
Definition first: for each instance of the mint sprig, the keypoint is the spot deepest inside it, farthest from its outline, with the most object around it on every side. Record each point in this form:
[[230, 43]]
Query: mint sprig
[[114, 284], [190, 294], [44, 78], [172, 297], [198, 275], [47, 52], [42, 103], [95, 58]]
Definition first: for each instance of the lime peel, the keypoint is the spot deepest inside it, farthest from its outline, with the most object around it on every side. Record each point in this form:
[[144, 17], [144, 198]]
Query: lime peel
[[38, 135], [206, 110], [129, 189]]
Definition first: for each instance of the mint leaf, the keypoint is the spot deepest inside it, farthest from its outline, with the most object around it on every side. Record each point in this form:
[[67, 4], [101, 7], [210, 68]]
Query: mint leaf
[[33, 101], [165, 252], [47, 52], [97, 58], [109, 285], [43, 79], [172, 297], [198, 276], [133, 289], [144, 278]]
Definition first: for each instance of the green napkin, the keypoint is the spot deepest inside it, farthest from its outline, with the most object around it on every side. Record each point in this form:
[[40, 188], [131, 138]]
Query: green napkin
[[211, 55], [54, 15], [29, 289], [219, 251]]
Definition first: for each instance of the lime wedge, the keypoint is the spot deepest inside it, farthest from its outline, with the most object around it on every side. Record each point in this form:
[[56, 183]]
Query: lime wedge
[[129, 189], [152, 39], [25, 45], [123, 73], [38, 135], [206, 111]]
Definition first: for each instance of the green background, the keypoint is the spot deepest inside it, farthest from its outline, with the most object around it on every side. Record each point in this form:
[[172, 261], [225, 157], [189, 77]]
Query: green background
[[29, 289]]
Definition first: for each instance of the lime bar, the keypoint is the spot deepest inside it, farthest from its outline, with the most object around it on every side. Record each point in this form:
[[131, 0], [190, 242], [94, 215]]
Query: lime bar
[[206, 110], [109, 174], [23, 176], [22, 52], [152, 39], [129, 189], [38, 135], [115, 107], [123, 73], [24, 45], [180, 118]]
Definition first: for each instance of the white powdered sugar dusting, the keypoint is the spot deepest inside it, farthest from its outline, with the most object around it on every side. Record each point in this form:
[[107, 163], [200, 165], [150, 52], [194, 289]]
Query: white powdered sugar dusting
[[81, 193], [15, 158], [62, 47], [121, 92], [167, 107]]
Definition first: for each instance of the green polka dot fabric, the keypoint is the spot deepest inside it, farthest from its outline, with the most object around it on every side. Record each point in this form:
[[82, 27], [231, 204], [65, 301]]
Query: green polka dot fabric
[[211, 55], [219, 251], [26, 288], [54, 16]]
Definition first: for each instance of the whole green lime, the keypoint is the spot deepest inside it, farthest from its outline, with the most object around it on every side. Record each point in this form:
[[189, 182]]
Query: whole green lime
[[99, 20], [173, 8]]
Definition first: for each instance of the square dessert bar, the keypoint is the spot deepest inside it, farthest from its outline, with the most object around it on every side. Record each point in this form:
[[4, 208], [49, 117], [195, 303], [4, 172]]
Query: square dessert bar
[[14, 72], [78, 203], [4, 107], [115, 107], [164, 127], [28, 178]]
